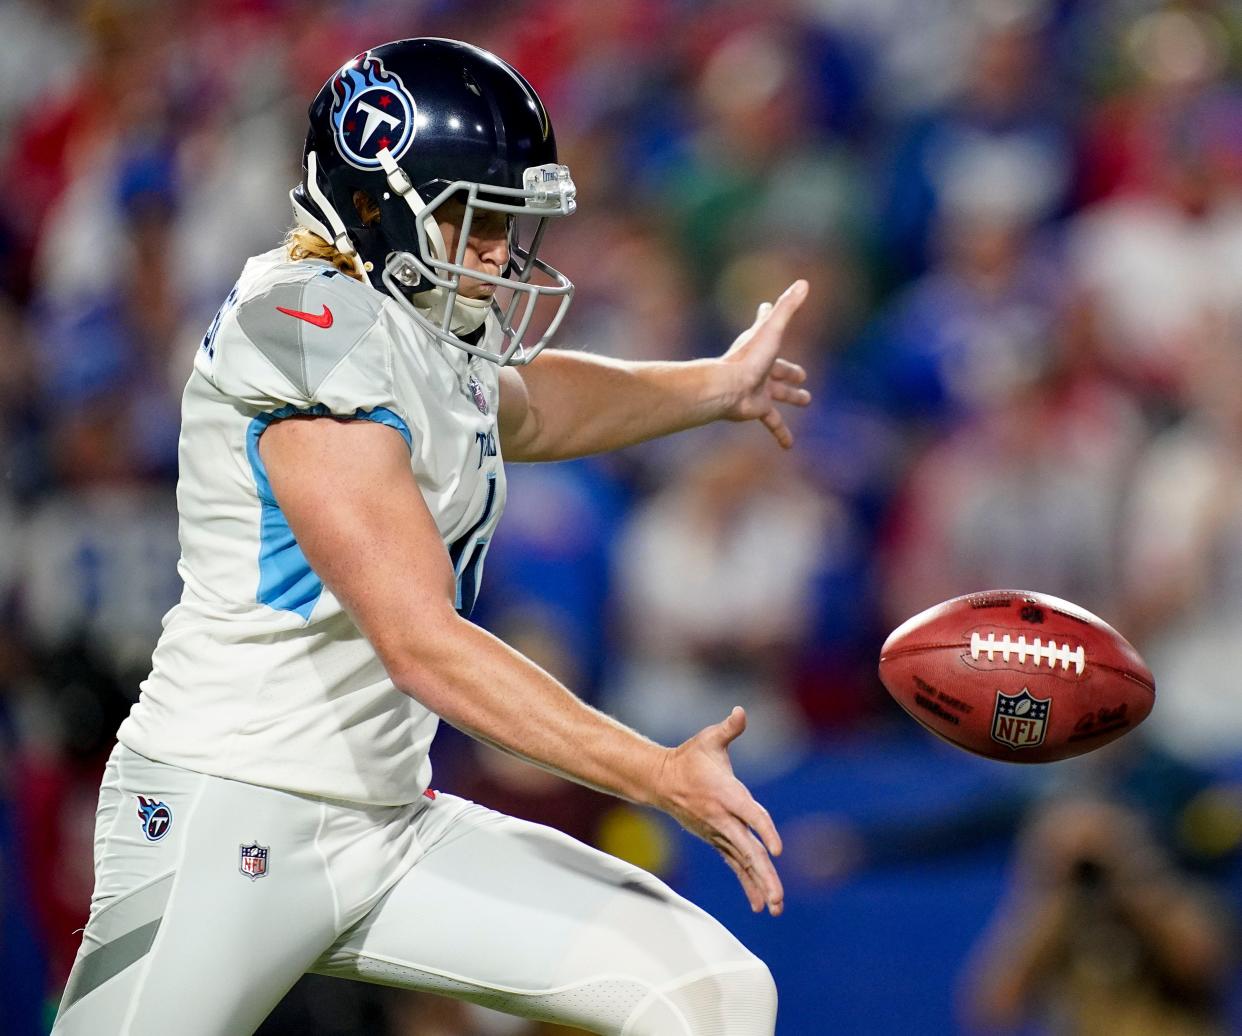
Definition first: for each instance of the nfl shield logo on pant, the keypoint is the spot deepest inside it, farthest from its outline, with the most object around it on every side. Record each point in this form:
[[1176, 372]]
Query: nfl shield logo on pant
[[254, 860]]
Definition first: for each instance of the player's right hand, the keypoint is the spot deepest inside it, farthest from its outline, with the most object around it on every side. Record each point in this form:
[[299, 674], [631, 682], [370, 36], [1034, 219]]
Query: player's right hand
[[696, 787], [761, 377]]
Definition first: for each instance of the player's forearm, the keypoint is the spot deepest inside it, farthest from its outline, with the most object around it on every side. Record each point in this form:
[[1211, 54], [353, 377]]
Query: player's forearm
[[483, 687], [582, 404]]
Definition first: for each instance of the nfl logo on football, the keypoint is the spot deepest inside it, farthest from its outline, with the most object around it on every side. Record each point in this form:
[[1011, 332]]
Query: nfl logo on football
[[1020, 719], [254, 861]]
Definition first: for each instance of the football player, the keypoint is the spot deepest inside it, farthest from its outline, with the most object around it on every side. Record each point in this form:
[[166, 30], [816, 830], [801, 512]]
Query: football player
[[267, 810]]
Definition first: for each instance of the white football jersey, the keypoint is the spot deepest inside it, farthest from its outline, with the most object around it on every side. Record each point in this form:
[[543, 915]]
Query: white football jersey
[[259, 674]]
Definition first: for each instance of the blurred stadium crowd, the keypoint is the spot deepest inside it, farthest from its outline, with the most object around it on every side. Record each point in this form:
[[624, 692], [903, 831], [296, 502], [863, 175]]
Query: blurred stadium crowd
[[1022, 224]]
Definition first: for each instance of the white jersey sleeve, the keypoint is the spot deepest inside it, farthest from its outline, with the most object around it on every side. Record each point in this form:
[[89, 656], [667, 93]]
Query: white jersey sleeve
[[311, 342]]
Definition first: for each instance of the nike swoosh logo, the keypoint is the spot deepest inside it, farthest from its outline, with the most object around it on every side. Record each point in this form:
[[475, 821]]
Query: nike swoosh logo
[[324, 319]]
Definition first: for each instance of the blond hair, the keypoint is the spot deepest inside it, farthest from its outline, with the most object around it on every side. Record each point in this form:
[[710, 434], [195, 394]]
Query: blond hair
[[301, 243]]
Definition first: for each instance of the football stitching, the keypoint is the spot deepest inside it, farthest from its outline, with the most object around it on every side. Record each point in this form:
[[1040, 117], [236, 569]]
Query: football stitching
[[1052, 651]]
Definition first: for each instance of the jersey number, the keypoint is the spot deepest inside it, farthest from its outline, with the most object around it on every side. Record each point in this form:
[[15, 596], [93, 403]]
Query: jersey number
[[209, 339], [468, 550]]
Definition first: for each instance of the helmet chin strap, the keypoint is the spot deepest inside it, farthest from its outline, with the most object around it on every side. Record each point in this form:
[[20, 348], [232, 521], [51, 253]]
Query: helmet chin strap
[[335, 231], [467, 314]]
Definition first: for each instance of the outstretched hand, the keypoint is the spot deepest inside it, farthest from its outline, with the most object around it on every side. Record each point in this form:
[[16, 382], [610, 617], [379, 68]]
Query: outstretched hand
[[698, 789], [762, 378]]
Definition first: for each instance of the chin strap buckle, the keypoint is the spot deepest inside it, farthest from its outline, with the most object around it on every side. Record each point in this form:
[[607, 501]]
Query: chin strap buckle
[[397, 180]]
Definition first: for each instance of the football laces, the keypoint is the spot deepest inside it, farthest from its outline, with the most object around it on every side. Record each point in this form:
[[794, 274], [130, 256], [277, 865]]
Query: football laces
[[1035, 649]]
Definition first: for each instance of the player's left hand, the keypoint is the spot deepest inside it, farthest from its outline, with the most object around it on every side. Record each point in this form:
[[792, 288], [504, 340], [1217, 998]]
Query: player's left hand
[[696, 787], [759, 377]]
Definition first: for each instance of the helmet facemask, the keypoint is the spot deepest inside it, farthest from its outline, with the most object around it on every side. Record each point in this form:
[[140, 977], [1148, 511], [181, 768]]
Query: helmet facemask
[[426, 282]]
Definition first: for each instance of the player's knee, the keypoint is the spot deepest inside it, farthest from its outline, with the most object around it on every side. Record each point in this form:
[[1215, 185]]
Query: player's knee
[[752, 1002], [736, 999]]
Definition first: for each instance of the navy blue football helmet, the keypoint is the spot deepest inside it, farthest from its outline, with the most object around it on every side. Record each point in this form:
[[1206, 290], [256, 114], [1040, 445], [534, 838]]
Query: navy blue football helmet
[[414, 124]]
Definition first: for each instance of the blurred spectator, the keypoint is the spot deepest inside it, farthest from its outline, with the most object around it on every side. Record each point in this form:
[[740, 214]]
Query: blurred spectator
[[1100, 936], [1156, 67], [636, 298], [66, 708], [101, 561], [548, 571], [42, 47], [751, 168], [715, 576], [919, 50], [23, 967], [1027, 495], [1158, 256], [23, 461], [978, 326], [1004, 118], [1183, 557], [846, 452]]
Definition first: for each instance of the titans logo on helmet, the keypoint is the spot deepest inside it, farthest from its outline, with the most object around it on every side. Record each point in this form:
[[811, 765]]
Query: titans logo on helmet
[[156, 818], [371, 110]]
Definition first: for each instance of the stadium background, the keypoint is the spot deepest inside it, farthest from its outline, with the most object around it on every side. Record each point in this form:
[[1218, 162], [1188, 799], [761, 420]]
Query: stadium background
[[1022, 224]]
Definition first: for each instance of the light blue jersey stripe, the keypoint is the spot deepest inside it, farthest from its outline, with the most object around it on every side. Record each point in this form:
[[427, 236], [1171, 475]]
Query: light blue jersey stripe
[[286, 580]]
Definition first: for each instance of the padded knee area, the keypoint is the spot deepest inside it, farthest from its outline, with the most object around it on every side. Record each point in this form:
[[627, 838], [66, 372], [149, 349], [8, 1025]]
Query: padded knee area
[[736, 1000]]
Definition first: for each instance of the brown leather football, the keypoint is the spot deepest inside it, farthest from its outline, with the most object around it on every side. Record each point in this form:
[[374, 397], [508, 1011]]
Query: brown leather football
[[1017, 676]]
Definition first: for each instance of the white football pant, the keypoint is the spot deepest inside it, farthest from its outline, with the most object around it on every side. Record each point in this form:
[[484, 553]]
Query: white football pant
[[189, 934]]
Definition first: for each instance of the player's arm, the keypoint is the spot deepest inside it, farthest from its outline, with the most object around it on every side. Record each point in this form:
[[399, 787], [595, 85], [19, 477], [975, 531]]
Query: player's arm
[[350, 498], [569, 404]]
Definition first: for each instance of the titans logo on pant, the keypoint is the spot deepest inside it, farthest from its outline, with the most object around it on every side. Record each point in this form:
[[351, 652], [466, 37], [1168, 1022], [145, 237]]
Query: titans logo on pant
[[156, 818]]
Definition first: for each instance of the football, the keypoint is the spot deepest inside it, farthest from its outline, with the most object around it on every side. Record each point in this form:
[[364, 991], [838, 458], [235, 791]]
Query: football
[[1017, 676]]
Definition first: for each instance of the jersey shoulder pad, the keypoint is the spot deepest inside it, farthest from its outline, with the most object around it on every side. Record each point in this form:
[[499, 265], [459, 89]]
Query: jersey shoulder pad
[[306, 325]]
